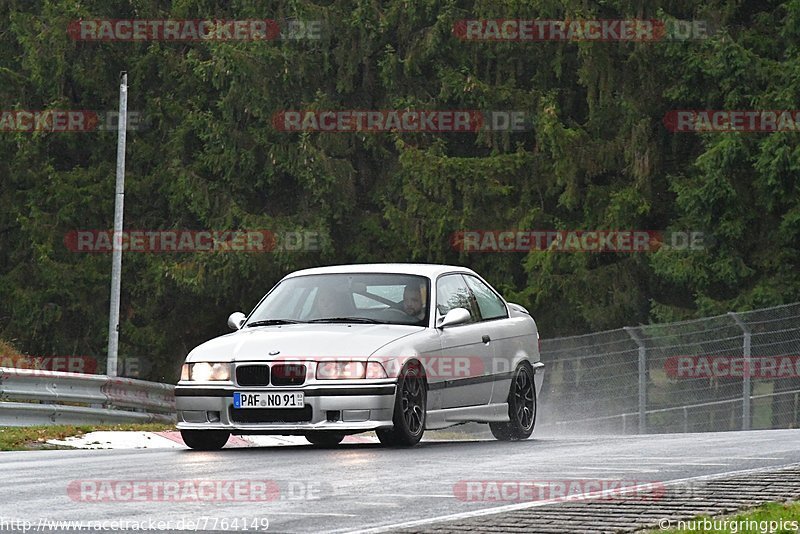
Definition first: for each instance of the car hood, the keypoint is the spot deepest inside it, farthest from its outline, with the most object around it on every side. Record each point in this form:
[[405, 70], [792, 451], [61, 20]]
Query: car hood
[[300, 340]]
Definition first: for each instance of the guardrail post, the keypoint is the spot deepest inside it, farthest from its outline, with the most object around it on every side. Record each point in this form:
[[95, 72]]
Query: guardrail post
[[747, 335], [642, 377], [796, 401]]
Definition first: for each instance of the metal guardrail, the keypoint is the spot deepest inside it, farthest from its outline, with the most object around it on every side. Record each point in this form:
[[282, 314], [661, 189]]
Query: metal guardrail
[[36, 397], [644, 376], [685, 409]]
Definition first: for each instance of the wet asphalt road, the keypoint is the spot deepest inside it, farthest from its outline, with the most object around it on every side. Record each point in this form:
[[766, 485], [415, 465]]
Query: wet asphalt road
[[353, 487]]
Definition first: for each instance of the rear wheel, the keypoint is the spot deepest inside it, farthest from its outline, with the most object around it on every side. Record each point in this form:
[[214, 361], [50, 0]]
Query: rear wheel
[[205, 440], [409, 409], [324, 439], [521, 407]]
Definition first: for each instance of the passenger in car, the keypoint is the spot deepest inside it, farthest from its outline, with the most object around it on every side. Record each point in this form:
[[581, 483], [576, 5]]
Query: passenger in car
[[331, 303], [325, 306]]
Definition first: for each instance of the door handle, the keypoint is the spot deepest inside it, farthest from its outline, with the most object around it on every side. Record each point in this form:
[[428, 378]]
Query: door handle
[[486, 338]]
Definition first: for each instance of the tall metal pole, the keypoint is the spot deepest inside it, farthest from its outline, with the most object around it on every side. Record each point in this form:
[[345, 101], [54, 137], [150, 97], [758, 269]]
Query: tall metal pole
[[119, 200], [634, 335], [746, 388]]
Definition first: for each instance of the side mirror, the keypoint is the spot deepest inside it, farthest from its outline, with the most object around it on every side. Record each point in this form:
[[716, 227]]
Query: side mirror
[[518, 308], [454, 317], [236, 320]]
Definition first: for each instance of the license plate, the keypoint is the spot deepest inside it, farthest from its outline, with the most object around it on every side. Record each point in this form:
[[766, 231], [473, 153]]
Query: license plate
[[268, 399]]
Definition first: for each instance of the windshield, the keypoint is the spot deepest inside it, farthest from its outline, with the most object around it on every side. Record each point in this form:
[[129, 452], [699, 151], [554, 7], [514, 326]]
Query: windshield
[[346, 298]]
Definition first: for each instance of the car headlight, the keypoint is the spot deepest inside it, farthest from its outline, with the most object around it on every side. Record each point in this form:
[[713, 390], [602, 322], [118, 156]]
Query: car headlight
[[340, 370], [349, 370], [206, 372], [376, 370]]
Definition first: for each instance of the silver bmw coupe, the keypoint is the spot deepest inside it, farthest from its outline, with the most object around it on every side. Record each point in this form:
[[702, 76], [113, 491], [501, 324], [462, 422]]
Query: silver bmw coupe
[[391, 348]]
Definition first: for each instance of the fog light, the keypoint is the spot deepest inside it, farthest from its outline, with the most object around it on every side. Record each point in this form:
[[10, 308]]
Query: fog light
[[194, 416], [213, 417], [355, 415]]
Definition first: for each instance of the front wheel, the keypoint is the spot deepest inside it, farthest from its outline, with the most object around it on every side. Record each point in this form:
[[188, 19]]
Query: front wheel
[[521, 407], [205, 440], [409, 409], [324, 439]]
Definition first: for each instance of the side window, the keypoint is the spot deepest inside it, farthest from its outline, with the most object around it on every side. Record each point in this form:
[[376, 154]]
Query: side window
[[490, 305], [452, 292]]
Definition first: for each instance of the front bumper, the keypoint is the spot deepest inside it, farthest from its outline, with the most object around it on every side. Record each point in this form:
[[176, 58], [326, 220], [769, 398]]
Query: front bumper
[[344, 408]]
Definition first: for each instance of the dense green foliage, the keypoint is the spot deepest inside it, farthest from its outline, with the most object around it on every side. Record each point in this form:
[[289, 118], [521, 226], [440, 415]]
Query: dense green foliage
[[597, 156]]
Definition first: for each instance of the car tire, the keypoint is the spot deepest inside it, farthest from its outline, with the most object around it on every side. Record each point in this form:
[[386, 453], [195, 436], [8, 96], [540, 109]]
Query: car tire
[[205, 440], [409, 409], [324, 439], [521, 407]]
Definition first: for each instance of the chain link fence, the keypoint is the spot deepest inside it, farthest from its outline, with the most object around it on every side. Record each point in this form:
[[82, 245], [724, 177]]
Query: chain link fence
[[730, 372]]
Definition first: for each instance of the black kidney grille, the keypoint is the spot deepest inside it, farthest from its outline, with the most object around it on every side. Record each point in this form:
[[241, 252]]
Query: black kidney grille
[[252, 375], [288, 374]]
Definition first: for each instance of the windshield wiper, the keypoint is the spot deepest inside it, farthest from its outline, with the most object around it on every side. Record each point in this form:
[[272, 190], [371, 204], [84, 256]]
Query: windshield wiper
[[272, 322], [365, 320]]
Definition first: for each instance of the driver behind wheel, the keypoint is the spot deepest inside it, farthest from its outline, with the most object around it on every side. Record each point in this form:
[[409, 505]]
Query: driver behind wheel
[[412, 301]]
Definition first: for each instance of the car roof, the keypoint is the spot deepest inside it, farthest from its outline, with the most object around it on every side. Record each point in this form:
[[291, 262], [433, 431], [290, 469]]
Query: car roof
[[422, 269]]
